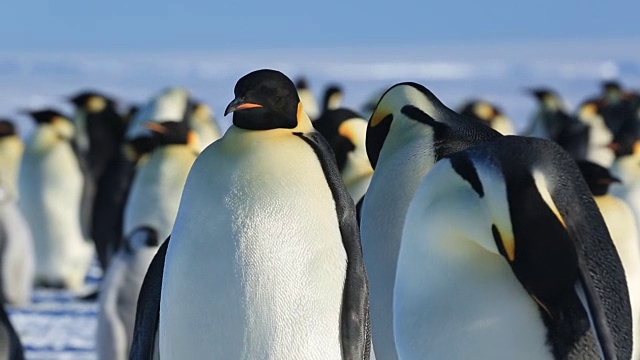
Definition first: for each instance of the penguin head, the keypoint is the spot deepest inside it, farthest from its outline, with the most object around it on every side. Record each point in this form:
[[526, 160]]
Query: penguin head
[[7, 128], [612, 91], [480, 110], [61, 124], [548, 99], [409, 111], [265, 99], [91, 102], [169, 132], [598, 178], [332, 97], [516, 216], [344, 131]]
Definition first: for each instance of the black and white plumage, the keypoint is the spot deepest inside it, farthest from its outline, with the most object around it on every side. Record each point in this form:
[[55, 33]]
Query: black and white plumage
[[409, 131], [246, 189], [531, 274]]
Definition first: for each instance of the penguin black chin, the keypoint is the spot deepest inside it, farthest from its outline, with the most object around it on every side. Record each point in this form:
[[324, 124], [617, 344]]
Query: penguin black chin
[[262, 119]]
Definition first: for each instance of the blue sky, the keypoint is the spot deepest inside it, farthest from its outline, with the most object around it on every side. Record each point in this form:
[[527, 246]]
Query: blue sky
[[126, 25]]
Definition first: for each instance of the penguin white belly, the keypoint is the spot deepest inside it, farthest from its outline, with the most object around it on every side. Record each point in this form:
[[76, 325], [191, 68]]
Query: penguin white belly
[[11, 149], [156, 190], [622, 227], [455, 300], [207, 132], [256, 267], [18, 263], [51, 188], [383, 216]]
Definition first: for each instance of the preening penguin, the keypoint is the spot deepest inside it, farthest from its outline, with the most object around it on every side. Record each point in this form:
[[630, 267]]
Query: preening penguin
[[264, 214], [345, 131], [408, 132], [51, 185], [623, 229], [532, 274], [490, 114], [148, 218]]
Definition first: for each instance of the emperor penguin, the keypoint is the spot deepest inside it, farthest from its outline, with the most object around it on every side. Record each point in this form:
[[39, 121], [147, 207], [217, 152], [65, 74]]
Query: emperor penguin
[[99, 130], [309, 102], [332, 99], [11, 148], [98, 140], [532, 274], [148, 218], [490, 114], [620, 111], [623, 229], [552, 121], [17, 258], [345, 131], [409, 131], [599, 149], [51, 185], [265, 215], [171, 104], [203, 123], [627, 169]]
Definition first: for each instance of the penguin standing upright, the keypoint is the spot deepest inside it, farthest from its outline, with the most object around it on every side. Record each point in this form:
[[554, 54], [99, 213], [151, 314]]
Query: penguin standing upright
[[51, 184], [490, 114], [623, 229], [345, 131], [17, 263], [552, 121], [11, 148], [265, 215], [599, 149], [307, 99], [149, 215], [332, 99], [532, 273], [627, 169], [408, 132], [203, 123]]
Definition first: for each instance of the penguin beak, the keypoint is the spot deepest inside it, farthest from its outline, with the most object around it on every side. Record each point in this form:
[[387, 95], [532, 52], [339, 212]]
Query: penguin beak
[[155, 127], [239, 104]]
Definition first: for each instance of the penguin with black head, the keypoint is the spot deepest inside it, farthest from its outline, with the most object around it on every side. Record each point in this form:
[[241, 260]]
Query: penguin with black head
[[265, 214]]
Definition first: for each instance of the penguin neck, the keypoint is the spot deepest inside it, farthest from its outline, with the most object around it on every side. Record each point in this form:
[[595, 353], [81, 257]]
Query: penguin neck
[[403, 162], [44, 138]]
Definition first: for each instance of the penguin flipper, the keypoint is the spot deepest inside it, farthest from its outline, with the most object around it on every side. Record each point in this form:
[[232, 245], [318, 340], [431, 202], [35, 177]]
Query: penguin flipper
[[601, 274], [148, 309], [355, 327]]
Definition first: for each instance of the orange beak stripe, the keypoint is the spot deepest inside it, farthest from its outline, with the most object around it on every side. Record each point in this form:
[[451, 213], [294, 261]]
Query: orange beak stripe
[[248, 106]]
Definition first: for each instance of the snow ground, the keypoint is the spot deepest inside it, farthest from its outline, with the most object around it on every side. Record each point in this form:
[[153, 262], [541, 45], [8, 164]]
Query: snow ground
[[56, 326]]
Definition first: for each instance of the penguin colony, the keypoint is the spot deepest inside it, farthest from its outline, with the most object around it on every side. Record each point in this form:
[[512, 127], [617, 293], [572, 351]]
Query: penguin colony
[[307, 231]]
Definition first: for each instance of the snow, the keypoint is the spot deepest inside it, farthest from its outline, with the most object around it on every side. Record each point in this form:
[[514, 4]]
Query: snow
[[58, 326]]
